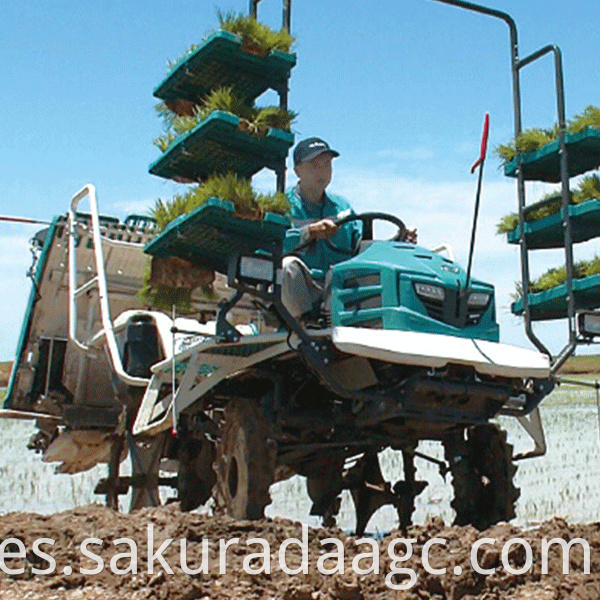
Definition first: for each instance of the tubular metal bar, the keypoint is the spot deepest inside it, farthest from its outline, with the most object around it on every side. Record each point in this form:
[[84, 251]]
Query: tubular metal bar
[[254, 8], [595, 385], [287, 15], [282, 89], [516, 86], [107, 324], [564, 179]]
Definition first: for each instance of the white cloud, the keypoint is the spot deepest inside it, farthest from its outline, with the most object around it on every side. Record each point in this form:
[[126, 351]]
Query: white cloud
[[131, 207], [420, 153]]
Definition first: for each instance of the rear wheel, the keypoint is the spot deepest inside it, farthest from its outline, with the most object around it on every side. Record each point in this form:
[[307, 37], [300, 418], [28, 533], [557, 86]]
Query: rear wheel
[[245, 464], [482, 476]]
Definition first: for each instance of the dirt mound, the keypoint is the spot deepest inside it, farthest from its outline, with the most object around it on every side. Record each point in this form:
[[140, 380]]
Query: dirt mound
[[307, 567]]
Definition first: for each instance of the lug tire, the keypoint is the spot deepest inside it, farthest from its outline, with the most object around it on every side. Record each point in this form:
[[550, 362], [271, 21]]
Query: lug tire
[[245, 464], [484, 492]]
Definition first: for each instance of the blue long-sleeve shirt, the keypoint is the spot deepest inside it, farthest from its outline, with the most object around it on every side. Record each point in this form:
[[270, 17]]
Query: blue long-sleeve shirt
[[318, 255]]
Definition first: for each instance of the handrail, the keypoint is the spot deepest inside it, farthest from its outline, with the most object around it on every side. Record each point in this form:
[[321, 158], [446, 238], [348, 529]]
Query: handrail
[[567, 230], [517, 64], [99, 280], [282, 88], [286, 16]]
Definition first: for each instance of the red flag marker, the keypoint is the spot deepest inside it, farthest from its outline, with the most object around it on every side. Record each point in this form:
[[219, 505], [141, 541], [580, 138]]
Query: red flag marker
[[484, 141], [478, 163]]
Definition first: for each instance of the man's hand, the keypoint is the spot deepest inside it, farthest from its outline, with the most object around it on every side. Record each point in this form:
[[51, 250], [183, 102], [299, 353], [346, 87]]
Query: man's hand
[[323, 229], [411, 236]]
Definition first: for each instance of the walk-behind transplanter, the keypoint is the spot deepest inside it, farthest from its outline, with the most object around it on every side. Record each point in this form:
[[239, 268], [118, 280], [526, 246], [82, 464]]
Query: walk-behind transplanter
[[243, 394]]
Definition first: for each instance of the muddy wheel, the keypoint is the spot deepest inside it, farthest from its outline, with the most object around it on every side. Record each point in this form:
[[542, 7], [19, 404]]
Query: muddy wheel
[[482, 477], [245, 464], [195, 476]]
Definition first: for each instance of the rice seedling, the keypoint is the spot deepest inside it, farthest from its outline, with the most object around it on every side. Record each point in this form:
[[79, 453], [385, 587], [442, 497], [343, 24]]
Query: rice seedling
[[548, 205], [590, 117], [165, 212], [275, 203], [166, 114], [273, 116], [558, 275], [233, 188], [183, 281], [224, 99], [255, 36], [162, 297], [226, 187], [175, 126], [588, 188], [505, 152], [533, 139], [528, 141], [257, 120]]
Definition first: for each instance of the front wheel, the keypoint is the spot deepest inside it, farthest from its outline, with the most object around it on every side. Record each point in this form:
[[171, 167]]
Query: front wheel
[[482, 477], [245, 464]]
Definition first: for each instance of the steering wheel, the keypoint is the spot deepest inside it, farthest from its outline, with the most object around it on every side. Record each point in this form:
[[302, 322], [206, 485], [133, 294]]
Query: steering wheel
[[367, 229]]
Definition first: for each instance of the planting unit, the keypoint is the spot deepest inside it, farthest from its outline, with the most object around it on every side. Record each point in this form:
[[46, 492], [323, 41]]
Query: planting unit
[[219, 61], [572, 224], [548, 232], [219, 144], [544, 164], [211, 234]]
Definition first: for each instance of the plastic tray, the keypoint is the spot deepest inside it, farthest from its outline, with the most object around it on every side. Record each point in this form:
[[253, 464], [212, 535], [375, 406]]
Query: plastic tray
[[210, 234], [215, 146], [220, 61], [548, 232], [583, 151], [552, 303]]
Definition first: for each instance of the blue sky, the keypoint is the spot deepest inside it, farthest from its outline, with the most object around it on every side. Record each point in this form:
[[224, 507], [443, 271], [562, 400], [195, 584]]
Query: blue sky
[[399, 88]]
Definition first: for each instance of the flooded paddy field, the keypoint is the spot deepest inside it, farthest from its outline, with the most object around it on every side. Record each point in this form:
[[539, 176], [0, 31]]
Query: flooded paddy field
[[564, 482]]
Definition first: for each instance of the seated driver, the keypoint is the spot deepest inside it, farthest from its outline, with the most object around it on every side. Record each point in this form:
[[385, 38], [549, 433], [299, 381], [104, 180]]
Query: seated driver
[[306, 273]]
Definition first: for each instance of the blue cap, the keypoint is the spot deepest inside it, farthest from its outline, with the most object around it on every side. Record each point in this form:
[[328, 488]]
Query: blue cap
[[311, 148]]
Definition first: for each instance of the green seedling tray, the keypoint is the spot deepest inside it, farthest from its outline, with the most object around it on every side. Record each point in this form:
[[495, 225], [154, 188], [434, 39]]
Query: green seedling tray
[[552, 303], [221, 61], [583, 152], [210, 234], [215, 146], [548, 232]]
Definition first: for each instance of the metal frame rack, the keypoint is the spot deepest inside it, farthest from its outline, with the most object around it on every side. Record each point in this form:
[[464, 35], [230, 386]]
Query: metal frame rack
[[517, 64], [216, 144]]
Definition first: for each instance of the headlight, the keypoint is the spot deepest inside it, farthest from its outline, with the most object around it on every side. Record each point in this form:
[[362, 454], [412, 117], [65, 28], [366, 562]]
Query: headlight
[[589, 323], [256, 269], [478, 299], [433, 292]]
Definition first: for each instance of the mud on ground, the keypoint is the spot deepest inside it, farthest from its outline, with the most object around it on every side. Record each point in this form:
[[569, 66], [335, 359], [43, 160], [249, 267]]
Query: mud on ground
[[69, 529]]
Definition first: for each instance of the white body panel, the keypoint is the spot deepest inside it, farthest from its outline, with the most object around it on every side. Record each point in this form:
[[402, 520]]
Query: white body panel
[[436, 351]]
